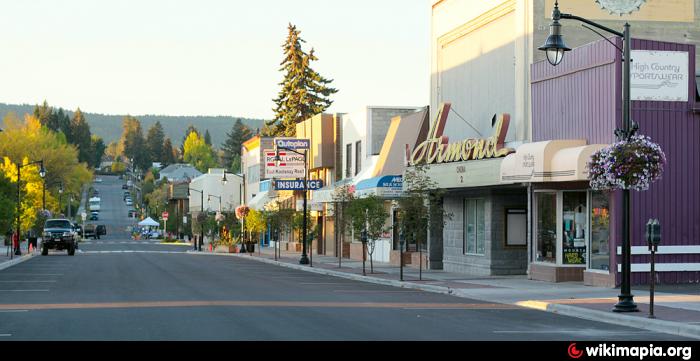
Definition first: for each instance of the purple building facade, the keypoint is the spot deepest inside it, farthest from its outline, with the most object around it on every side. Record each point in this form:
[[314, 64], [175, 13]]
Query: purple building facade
[[581, 99]]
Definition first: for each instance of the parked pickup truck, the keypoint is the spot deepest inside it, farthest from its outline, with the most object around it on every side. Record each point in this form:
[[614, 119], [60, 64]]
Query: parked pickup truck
[[59, 235]]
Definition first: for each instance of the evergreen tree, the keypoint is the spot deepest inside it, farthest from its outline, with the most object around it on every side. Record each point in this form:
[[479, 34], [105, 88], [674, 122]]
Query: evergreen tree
[[55, 120], [304, 93], [169, 153], [43, 113], [232, 147], [155, 142], [81, 137], [133, 143], [98, 148], [207, 138]]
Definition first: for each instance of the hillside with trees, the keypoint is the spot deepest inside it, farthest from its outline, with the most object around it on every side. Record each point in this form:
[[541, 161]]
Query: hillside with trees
[[109, 127]]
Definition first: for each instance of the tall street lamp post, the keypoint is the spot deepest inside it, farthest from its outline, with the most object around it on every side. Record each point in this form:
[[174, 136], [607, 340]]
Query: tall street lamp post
[[201, 226], [304, 258], [555, 49], [42, 173], [241, 191]]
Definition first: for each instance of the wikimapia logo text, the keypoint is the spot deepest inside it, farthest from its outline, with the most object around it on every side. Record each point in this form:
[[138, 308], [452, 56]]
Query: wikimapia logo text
[[642, 352]]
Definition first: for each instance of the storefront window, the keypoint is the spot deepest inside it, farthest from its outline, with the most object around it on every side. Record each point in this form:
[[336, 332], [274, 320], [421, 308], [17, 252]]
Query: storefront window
[[546, 227], [575, 228], [475, 225], [600, 231]]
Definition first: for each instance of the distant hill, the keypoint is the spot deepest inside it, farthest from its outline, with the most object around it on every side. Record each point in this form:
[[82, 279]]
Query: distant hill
[[109, 127]]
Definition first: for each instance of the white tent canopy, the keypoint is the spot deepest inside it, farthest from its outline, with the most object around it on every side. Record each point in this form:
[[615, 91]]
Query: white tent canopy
[[149, 222]]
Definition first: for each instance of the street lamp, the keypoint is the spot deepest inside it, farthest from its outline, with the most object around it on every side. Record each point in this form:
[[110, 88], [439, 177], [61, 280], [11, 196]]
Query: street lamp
[[555, 49], [241, 191], [201, 226], [304, 258], [42, 174]]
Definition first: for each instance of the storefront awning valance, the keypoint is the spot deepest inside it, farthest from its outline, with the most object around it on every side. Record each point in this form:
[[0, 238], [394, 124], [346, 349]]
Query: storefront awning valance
[[550, 161], [260, 201]]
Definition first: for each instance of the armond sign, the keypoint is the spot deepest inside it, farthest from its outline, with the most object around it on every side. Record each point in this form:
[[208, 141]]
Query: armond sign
[[437, 148]]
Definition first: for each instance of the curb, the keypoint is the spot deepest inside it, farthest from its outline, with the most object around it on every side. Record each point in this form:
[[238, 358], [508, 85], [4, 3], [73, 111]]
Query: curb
[[17, 261], [668, 327]]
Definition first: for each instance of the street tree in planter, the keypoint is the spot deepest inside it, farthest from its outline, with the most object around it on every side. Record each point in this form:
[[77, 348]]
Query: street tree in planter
[[420, 208], [257, 225], [368, 220], [341, 199]]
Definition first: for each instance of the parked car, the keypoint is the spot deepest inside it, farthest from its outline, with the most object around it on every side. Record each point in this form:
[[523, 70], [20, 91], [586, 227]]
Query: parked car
[[59, 235], [124, 186], [94, 217], [90, 231], [98, 180], [129, 202]]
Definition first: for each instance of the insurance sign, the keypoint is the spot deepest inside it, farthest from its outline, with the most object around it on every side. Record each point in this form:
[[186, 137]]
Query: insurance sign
[[297, 185]]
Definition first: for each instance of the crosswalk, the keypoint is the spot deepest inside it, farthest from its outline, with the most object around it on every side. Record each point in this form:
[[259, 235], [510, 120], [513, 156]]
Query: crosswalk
[[119, 242]]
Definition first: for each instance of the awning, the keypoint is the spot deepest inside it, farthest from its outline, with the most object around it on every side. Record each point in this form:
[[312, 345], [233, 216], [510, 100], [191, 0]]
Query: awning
[[149, 222], [550, 161], [390, 186], [260, 201]]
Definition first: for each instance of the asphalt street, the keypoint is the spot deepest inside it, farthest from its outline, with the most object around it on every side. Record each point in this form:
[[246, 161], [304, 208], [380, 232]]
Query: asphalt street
[[119, 289]]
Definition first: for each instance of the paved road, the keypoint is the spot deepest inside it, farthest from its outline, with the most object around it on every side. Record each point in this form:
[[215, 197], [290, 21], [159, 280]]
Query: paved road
[[148, 291]]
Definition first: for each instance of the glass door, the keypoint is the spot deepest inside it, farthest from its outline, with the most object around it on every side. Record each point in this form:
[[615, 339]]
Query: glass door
[[574, 228]]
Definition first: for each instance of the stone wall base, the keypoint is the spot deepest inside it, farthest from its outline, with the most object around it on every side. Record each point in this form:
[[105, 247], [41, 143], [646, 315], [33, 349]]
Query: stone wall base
[[555, 273]]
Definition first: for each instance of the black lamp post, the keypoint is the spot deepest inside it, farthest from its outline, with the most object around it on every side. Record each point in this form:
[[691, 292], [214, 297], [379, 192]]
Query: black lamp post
[[555, 49], [304, 258], [224, 181], [201, 226], [42, 173]]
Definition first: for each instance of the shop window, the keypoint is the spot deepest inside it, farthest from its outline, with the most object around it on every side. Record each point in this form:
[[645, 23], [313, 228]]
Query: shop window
[[575, 228], [348, 160], [600, 232], [358, 157], [546, 227], [474, 226]]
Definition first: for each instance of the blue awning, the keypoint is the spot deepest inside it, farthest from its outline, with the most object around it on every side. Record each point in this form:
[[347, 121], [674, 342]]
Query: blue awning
[[384, 186]]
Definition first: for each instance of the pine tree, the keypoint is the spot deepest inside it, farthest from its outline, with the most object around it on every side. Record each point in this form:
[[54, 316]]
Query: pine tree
[[43, 113], [234, 141], [81, 137], [207, 138], [169, 153], [98, 148], [132, 143], [155, 142], [304, 93]]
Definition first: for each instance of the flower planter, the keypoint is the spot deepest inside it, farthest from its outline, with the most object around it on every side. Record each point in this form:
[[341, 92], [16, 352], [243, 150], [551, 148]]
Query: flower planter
[[225, 249], [250, 247]]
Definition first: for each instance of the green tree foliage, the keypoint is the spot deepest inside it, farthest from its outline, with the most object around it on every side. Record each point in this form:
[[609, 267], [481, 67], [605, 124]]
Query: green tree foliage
[[256, 224], [7, 204], [133, 144], [169, 153], [231, 157], [198, 153], [190, 129], [98, 151], [421, 205], [304, 92], [43, 113], [155, 143], [81, 137], [368, 215], [207, 137]]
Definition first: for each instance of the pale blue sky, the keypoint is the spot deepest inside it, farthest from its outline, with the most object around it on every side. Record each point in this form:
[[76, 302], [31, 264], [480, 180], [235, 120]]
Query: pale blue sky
[[208, 57]]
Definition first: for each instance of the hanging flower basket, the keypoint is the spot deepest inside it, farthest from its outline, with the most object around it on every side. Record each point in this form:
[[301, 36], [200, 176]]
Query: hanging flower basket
[[630, 164], [242, 211]]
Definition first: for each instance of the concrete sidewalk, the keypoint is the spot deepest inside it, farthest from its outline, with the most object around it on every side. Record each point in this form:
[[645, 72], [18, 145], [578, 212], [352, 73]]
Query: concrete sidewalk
[[677, 313], [8, 259]]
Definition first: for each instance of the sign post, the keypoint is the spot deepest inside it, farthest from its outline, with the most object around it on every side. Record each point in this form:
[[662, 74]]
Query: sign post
[[165, 215], [84, 217]]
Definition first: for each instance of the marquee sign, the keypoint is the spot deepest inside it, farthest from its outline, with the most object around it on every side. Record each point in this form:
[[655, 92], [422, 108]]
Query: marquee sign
[[437, 149]]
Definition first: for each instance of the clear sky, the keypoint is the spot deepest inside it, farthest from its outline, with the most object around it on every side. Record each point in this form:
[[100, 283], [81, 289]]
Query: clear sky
[[208, 57]]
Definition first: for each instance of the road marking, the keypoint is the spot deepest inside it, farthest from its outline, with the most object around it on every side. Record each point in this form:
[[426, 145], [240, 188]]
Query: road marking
[[27, 281], [13, 311], [5, 335], [375, 291], [608, 333], [272, 304], [24, 290], [326, 283], [31, 274]]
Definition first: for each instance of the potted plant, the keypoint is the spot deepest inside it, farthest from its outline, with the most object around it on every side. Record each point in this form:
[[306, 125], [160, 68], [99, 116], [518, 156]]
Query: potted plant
[[227, 242], [257, 225], [628, 164]]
